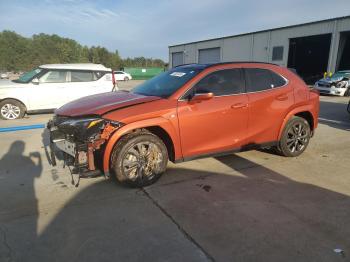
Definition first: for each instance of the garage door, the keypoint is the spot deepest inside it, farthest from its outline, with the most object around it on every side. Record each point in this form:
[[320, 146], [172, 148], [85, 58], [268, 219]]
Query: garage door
[[177, 58], [210, 55]]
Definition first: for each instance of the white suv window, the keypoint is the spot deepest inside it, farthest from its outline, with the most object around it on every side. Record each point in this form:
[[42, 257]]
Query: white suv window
[[82, 76], [54, 77]]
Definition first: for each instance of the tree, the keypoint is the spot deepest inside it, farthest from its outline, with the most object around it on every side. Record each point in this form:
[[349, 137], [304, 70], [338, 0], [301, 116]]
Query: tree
[[18, 53]]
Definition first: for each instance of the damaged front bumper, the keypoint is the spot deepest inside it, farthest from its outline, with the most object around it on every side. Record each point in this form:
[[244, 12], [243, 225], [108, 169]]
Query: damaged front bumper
[[79, 140]]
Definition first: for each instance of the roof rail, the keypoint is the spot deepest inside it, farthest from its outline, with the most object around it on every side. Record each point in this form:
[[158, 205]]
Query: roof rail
[[225, 63]]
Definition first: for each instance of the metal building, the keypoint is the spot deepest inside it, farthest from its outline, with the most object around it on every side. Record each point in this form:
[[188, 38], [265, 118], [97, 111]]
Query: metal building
[[311, 48]]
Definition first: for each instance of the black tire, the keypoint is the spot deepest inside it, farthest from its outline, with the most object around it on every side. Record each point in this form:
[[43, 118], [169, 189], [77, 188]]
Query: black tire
[[11, 109], [295, 137], [139, 172], [347, 92], [126, 78]]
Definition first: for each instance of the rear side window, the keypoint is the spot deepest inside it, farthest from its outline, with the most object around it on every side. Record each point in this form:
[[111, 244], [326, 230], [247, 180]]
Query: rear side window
[[82, 76], [262, 79], [258, 79], [223, 82]]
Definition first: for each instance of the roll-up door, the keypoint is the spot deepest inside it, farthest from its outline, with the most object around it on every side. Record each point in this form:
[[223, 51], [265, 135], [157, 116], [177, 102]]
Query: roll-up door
[[210, 55], [177, 58]]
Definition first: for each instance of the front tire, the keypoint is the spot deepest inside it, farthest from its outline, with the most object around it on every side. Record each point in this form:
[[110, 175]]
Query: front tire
[[11, 109], [126, 78], [139, 159], [295, 137]]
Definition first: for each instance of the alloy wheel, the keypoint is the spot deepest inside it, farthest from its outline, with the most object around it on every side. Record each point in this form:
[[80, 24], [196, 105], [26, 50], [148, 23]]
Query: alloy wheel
[[10, 111], [297, 137], [142, 161]]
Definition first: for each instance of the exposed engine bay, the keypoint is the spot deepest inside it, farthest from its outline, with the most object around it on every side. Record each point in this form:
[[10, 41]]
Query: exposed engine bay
[[80, 139]]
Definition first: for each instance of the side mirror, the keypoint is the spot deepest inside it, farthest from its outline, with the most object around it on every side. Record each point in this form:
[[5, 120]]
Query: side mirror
[[35, 81], [201, 97]]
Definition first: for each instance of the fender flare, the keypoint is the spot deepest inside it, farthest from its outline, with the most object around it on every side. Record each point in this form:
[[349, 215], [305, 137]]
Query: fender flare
[[299, 109], [159, 121]]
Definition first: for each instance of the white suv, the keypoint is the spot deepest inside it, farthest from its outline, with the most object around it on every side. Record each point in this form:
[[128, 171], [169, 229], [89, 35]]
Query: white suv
[[51, 86]]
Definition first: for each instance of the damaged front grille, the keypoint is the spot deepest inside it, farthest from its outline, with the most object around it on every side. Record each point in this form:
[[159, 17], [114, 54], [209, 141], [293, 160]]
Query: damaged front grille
[[323, 84], [79, 138]]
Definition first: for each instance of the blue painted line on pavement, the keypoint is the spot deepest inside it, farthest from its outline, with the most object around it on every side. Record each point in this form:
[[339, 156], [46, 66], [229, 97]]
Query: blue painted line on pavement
[[20, 128]]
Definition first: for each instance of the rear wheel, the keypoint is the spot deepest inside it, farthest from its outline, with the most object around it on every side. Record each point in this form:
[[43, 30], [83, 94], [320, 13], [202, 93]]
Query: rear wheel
[[139, 159], [11, 109], [295, 138]]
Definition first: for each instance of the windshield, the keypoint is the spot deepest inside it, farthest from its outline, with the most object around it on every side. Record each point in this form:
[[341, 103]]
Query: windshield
[[165, 84], [26, 77], [341, 74]]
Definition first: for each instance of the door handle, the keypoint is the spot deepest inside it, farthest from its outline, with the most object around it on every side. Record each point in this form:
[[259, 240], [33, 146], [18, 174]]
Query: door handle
[[282, 97], [239, 105]]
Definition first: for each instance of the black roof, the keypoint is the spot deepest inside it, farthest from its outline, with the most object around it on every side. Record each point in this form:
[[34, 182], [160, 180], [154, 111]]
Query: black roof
[[266, 30], [202, 66]]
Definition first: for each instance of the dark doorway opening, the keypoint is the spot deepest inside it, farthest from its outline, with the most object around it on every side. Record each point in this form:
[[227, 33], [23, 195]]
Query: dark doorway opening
[[309, 56], [343, 58]]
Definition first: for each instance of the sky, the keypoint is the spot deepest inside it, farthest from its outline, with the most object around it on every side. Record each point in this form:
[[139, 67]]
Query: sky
[[147, 28]]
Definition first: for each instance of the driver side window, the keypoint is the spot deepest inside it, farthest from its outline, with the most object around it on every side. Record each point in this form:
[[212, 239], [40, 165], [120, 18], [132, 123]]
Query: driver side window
[[221, 83], [54, 76]]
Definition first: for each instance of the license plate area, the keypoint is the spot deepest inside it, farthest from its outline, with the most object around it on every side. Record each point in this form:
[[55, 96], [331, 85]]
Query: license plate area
[[65, 146]]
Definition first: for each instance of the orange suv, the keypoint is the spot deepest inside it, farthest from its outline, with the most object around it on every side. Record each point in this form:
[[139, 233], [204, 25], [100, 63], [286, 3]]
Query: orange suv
[[188, 112]]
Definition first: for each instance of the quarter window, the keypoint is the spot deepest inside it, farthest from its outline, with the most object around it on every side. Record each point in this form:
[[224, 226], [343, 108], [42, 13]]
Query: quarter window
[[82, 76], [54, 77], [98, 75], [224, 82], [277, 80]]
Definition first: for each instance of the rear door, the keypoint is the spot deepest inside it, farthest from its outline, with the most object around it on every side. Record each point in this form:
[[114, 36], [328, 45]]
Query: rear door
[[218, 124], [270, 99]]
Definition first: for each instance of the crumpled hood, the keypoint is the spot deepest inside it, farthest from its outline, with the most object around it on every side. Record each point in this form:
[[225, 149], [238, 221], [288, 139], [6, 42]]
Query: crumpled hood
[[102, 103]]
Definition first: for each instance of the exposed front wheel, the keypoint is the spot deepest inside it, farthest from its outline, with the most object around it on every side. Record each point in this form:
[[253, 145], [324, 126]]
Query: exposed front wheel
[[139, 159], [126, 78], [295, 138], [11, 109]]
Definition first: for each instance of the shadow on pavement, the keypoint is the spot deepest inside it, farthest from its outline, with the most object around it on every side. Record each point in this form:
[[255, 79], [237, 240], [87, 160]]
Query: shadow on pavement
[[334, 115], [251, 213], [17, 194]]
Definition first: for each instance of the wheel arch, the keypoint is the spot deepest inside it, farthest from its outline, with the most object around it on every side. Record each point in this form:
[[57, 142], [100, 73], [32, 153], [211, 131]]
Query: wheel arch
[[16, 99], [165, 137], [303, 112], [308, 117], [159, 127]]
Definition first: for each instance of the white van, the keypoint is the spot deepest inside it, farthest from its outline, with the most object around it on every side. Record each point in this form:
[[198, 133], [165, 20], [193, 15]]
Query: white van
[[51, 86]]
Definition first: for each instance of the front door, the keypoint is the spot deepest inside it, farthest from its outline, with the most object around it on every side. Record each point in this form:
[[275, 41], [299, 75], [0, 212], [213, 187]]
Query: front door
[[51, 90], [218, 124]]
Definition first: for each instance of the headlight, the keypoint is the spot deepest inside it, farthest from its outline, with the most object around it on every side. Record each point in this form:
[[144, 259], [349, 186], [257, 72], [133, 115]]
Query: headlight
[[85, 128], [342, 84]]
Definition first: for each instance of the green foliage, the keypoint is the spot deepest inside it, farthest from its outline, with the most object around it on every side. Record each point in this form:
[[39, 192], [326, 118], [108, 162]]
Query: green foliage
[[18, 53]]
